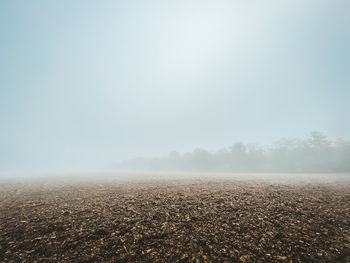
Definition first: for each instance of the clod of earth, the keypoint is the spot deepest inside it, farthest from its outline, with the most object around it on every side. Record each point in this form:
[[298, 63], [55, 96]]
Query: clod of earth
[[175, 221]]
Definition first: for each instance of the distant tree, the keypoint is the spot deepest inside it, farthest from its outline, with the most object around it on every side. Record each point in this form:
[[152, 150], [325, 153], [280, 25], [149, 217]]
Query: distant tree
[[202, 160], [238, 153], [221, 160], [315, 154]]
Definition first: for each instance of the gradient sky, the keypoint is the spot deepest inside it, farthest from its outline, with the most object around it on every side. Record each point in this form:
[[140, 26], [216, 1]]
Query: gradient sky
[[87, 83]]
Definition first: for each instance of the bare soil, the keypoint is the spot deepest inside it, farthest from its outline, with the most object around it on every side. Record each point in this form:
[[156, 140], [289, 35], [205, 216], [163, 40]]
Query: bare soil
[[175, 221]]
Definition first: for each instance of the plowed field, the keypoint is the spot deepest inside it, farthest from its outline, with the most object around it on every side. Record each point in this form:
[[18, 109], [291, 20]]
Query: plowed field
[[175, 221]]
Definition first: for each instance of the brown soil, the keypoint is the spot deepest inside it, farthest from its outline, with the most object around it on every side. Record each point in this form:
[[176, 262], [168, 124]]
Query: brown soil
[[175, 221]]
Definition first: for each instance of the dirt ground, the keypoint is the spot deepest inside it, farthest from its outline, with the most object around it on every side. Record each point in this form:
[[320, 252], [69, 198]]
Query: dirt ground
[[175, 221]]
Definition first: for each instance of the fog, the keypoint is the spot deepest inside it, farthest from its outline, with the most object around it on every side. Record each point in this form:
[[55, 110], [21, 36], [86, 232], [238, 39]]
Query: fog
[[196, 86], [318, 154]]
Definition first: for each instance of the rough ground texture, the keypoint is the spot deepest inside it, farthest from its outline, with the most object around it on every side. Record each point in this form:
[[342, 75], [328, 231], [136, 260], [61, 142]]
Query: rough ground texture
[[175, 221]]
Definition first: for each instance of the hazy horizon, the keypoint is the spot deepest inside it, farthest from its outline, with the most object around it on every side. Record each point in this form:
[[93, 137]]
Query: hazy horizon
[[86, 84]]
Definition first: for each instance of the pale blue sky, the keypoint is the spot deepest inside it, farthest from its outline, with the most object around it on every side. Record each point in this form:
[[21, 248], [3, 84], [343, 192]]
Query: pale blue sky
[[87, 83]]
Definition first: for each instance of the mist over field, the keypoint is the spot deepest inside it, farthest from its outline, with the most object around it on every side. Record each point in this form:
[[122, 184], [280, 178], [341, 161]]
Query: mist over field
[[174, 131], [318, 154], [87, 85]]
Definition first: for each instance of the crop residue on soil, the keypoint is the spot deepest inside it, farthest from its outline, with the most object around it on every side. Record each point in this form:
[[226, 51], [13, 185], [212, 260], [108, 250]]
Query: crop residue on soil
[[175, 221]]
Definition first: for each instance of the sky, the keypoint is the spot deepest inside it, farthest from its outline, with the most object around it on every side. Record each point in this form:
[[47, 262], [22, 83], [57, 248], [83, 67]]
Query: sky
[[84, 84]]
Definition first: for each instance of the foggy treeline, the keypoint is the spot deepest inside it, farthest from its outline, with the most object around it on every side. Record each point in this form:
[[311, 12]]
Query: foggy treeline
[[315, 154]]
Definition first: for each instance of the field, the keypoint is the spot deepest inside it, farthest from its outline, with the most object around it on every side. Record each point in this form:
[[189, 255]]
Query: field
[[175, 220]]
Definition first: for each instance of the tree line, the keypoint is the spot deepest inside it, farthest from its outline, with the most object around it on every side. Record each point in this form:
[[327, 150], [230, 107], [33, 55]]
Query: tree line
[[316, 154]]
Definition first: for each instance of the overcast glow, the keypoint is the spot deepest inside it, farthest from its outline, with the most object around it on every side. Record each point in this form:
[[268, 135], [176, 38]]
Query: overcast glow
[[87, 83]]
